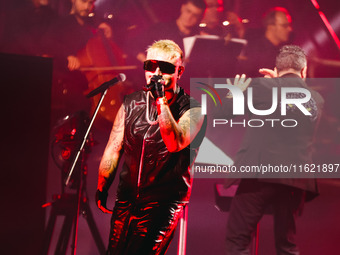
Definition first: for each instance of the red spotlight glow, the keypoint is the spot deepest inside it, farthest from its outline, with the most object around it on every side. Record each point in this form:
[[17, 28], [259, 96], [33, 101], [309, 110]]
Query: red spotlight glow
[[316, 5], [330, 29]]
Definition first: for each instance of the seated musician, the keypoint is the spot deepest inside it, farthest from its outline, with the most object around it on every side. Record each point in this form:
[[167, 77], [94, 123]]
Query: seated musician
[[65, 39]]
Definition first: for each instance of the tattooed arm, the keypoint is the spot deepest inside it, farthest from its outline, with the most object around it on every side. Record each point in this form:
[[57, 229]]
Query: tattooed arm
[[110, 159], [178, 135]]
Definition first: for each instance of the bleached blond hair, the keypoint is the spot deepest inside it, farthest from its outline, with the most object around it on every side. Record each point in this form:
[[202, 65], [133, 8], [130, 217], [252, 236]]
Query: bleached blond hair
[[167, 46]]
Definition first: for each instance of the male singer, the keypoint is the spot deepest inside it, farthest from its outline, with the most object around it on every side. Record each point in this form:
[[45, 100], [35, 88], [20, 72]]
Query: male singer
[[159, 129]]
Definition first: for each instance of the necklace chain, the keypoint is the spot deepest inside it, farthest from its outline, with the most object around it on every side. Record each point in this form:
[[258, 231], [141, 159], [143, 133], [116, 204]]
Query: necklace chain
[[154, 122]]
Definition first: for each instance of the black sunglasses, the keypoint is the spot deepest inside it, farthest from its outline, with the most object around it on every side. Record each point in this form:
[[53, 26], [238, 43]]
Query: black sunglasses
[[165, 67]]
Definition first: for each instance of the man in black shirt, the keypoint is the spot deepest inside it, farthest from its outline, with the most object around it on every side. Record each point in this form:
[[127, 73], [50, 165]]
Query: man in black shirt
[[185, 25], [261, 50]]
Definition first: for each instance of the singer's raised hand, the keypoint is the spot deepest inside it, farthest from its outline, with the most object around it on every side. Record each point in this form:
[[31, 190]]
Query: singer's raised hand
[[158, 88]]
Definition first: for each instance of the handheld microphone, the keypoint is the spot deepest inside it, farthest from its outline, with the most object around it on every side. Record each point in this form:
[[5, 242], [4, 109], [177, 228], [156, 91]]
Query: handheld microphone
[[156, 79], [120, 77]]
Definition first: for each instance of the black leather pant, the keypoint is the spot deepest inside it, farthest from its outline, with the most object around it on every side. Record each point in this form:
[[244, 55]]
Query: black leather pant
[[247, 208], [145, 229]]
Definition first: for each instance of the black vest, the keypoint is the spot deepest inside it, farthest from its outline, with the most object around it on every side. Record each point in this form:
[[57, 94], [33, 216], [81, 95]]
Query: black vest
[[150, 172]]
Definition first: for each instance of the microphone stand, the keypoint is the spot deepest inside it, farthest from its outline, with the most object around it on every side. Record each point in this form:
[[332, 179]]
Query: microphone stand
[[103, 94], [72, 205], [64, 204], [103, 89], [85, 137]]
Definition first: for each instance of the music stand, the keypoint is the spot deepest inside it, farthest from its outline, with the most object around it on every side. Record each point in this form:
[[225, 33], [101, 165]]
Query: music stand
[[211, 56]]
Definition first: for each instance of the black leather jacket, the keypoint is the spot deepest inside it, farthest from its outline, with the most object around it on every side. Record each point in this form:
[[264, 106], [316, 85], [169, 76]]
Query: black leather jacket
[[150, 172]]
